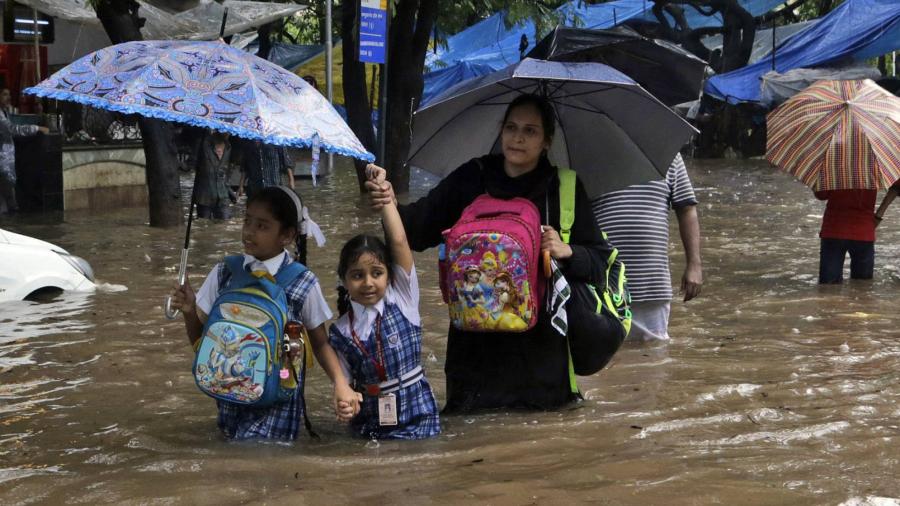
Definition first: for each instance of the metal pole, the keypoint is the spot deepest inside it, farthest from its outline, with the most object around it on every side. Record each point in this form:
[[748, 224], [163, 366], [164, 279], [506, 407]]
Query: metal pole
[[37, 46], [329, 63], [382, 101], [773, 44]]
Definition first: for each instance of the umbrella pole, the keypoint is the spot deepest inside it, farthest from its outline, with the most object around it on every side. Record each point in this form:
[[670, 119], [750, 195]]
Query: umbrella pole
[[171, 314]]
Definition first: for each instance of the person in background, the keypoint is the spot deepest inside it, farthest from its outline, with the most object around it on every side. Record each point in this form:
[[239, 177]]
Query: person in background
[[264, 165], [9, 130], [848, 226], [311, 79], [213, 195], [637, 222]]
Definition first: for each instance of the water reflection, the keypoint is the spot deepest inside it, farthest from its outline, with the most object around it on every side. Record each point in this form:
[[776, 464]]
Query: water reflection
[[773, 390]]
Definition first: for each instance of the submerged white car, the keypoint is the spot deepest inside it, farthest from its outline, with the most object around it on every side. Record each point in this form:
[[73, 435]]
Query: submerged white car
[[30, 266]]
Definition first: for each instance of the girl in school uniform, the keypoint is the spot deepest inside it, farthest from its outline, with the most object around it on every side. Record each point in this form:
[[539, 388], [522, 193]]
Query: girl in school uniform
[[379, 333], [271, 223]]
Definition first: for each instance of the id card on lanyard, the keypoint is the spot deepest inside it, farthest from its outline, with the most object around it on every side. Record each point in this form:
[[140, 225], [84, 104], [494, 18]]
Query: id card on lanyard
[[387, 403]]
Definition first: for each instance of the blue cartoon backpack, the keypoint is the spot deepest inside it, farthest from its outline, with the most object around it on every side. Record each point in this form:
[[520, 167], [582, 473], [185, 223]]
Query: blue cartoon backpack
[[240, 357]]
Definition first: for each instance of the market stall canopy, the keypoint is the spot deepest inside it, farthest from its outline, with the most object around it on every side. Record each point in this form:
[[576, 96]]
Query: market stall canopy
[[198, 23]]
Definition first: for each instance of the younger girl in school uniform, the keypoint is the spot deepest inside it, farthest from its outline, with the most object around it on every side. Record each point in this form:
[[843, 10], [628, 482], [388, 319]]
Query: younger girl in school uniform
[[379, 333], [271, 223]]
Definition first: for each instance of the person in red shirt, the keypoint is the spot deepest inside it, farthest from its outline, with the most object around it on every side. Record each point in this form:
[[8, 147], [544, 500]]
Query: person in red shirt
[[848, 226]]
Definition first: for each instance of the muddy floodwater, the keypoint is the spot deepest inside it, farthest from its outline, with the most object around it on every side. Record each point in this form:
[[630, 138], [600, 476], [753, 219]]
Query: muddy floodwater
[[773, 390]]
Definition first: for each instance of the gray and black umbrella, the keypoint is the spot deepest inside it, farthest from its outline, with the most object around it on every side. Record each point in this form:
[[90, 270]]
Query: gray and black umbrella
[[670, 73], [609, 129]]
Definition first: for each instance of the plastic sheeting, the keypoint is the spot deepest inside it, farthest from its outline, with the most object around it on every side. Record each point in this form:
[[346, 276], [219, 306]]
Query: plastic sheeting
[[762, 41], [199, 23], [855, 31], [489, 42], [776, 88], [440, 80], [289, 56]]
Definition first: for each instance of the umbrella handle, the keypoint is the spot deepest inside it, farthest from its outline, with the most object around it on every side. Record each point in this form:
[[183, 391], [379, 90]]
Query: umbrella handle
[[171, 314], [548, 269]]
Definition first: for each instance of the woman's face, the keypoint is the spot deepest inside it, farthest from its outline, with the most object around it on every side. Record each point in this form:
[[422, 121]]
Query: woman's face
[[523, 138]]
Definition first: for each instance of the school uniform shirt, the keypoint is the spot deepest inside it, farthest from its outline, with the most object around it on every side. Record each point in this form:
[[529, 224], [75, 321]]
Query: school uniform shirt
[[307, 305], [401, 338]]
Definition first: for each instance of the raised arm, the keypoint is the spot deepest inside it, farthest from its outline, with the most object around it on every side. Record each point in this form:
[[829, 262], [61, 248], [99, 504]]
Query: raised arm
[[394, 233]]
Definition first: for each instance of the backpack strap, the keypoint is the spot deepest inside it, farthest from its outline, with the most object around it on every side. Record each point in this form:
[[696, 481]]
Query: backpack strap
[[288, 273], [566, 202], [239, 276], [566, 220]]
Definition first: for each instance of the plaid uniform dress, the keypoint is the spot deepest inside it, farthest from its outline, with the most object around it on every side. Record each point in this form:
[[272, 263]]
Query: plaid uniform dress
[[417, 414], [282, 420]]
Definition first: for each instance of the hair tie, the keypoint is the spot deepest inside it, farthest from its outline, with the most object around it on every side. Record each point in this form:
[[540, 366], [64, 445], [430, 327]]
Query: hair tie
[[298, 206]]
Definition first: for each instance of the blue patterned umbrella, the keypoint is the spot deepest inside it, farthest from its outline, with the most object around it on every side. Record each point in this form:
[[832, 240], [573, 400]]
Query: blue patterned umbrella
[[205, 84]]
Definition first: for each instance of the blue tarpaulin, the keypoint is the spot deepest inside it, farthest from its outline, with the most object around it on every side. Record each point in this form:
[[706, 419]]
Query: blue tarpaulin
[[440, 80], [856, 30], [490, 43]]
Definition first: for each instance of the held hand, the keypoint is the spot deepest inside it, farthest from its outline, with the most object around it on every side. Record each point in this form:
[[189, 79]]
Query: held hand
[[550, 241], [691, 281], [380, 194], [184, 299], [376, 174], [346, 402]]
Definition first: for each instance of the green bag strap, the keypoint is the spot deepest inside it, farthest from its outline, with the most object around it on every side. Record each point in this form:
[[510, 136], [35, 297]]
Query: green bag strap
[[566, 220], [566, 202]]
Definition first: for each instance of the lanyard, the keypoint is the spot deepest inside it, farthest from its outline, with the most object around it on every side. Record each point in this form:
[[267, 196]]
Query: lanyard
[[379, 364]]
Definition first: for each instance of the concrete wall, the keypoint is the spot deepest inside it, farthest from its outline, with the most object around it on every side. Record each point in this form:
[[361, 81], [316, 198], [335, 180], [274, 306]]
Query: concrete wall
[[98, 177]]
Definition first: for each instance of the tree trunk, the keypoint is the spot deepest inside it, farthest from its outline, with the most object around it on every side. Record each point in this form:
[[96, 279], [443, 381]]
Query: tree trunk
[[121, 22], [410, 31], [359, 110]]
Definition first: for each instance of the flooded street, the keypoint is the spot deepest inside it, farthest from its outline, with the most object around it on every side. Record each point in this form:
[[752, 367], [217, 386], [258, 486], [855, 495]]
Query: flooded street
[[773, 390]]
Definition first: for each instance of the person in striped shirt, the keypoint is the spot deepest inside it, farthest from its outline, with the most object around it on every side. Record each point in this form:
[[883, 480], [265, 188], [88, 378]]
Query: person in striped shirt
[[637, 222]]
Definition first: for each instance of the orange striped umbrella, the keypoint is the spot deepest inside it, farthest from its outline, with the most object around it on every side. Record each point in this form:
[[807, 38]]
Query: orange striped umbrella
[[838, 135]]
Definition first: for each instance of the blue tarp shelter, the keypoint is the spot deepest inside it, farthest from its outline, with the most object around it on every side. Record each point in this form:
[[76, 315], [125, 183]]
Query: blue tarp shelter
[[489, 42], [440, 80], [856, 30]]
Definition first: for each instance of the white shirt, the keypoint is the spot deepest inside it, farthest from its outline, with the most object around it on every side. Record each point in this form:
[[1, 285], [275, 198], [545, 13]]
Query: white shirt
[[403, 291], [314, 311]]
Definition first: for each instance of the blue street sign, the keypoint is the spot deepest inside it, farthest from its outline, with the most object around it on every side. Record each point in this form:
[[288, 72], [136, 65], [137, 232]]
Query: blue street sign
[[372, 30]]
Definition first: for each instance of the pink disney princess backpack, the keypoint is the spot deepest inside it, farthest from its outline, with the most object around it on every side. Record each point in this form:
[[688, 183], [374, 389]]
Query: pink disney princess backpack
[[489, 266]]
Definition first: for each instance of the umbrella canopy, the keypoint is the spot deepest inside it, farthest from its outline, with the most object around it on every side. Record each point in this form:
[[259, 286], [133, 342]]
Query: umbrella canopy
[[609, 129], [670, 73], [205, 84], [838, 135]]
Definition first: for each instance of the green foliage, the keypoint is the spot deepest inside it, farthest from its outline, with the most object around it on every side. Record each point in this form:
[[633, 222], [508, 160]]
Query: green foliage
[[812, 9]]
